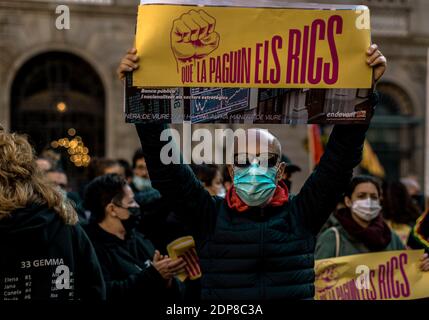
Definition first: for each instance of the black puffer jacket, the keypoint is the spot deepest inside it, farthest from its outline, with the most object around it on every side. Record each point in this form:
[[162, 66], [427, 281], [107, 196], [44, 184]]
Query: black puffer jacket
[[39, 253], [257, 255]]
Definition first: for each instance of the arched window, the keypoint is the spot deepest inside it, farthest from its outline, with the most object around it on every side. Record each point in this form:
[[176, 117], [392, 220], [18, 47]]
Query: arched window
[[393, 131], [53, 92]]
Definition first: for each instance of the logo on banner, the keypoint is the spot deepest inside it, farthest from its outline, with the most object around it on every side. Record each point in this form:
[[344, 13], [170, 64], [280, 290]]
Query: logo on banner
[[327, 276], [193, 36]]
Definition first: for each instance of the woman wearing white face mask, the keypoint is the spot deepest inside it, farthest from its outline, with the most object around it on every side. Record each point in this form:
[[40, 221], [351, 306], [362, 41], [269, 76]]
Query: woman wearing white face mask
[[358, 227]]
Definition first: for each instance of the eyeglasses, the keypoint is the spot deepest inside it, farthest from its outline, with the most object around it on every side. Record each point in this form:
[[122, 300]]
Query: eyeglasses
[[243, 160], [117, 201]]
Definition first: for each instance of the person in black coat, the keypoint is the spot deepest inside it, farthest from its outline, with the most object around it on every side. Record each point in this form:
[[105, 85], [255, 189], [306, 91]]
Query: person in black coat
[[132, 268], [44, 253], [258, 243]]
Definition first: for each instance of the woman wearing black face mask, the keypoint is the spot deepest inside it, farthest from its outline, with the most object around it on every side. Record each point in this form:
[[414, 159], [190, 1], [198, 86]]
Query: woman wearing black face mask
[[131, 266]]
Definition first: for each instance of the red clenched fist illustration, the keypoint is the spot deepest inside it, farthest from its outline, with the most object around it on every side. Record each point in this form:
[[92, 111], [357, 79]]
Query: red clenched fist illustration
[[193, 36]]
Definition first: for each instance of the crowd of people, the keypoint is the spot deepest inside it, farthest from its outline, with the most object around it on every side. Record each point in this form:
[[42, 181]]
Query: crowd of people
[[254, 239]]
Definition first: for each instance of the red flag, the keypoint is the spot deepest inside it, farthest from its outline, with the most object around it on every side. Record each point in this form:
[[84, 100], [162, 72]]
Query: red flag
[[192, 263], [184, 248], [315, 145]]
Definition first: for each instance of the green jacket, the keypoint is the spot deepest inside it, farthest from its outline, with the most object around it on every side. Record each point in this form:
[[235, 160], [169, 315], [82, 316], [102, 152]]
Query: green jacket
[[348, 245]]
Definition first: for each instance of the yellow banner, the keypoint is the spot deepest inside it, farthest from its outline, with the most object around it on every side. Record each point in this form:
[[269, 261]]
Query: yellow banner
[[393, 275], [192, 46]]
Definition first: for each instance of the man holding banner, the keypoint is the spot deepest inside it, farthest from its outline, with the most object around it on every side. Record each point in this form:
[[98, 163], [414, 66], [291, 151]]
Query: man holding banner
[[258, 243], [218, 63]]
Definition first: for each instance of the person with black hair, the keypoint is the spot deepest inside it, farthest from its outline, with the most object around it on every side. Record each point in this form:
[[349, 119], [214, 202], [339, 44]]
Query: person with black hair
[[158, 221], [97, 167], [100, 166], [399, 209], [146, 196], [128, 171], [132, 268], [359, 227], [140, 180], [59, 179], [210, 177], [415, 191]]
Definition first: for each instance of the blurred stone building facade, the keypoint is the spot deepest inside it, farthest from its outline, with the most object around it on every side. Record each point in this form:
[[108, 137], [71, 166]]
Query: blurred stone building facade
[[52, 80]]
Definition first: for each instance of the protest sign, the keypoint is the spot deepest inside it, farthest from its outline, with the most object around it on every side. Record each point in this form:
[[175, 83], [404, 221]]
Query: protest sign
[[393, 275], [184, 248], [226, 58], [251, 47]]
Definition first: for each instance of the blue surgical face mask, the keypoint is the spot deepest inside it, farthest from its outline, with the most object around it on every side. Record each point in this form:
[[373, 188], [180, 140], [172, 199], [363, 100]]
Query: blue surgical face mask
[[255, 185]]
